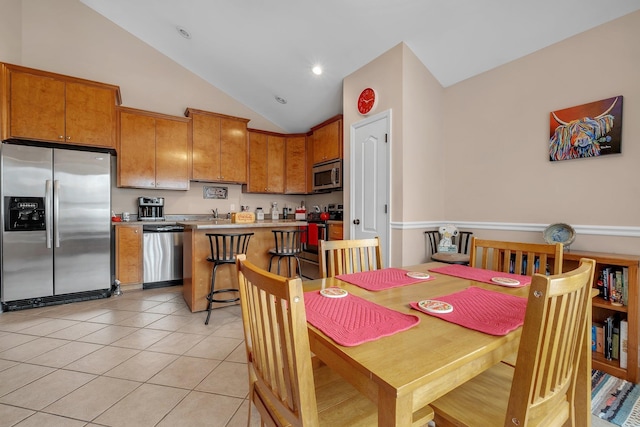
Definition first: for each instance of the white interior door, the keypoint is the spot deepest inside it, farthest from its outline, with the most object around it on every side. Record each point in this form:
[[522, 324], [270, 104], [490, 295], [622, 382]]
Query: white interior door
[[370, 182]]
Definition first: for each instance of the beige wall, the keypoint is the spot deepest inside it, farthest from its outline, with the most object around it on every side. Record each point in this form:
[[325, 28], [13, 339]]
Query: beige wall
[[10, 30], [486, 168], [413, 95], [65, 36]]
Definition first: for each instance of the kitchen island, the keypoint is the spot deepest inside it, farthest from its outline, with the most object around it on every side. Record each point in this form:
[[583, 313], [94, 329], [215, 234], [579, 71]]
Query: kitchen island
[[197, 270]]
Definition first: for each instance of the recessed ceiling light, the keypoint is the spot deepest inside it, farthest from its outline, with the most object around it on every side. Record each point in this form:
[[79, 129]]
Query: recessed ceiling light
[[317, 70], [281, 100], [183, 32]]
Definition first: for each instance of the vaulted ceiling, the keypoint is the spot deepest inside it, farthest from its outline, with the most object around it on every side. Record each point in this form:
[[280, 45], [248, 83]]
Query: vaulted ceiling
[[257, 51]]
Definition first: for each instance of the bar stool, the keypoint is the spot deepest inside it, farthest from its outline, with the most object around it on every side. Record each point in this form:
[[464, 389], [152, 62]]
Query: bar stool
[[224, 248], [288, 245]]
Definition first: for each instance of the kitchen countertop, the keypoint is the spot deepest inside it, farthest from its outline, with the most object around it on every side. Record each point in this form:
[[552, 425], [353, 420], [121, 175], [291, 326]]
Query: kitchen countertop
[[226, 223]]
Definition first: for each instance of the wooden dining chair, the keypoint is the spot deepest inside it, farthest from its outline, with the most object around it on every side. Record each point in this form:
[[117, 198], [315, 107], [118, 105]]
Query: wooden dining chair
[[540, 390], [349, 256], [462, 240], [516, 257], [286, 385]]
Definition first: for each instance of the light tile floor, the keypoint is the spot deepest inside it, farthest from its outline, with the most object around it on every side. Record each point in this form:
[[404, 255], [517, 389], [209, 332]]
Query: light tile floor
[[140, 359]]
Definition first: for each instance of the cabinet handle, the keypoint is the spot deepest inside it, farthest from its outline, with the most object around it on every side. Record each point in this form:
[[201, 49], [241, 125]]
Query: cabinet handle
[[135, 231], [68, 137], [60, 137]]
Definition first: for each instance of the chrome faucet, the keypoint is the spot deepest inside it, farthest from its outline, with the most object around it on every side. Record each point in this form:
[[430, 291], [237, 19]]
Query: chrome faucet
[[215, 213]]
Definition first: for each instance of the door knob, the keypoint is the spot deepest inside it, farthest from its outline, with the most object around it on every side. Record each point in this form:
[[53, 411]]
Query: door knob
[[356, 221]]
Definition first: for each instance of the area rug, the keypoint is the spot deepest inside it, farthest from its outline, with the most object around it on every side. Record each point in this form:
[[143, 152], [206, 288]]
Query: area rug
[[615, 400]]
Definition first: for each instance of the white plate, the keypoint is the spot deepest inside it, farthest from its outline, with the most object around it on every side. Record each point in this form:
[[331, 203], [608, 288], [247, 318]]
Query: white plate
[[505, 281], [334, 292], [435, 306], [418, 275]]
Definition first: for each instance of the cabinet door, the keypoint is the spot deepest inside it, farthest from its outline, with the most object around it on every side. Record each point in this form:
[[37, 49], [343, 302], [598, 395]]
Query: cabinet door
[[327, 142], [295, 165], [206, 148], [90, 115], [172, 156], [129, 254], [336, 231], [36, 107], [137, 151], [233, 151], [257, 163], [275, 164]]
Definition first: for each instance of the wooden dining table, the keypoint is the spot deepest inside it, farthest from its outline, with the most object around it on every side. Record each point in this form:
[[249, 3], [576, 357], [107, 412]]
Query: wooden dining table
[[404, 372]]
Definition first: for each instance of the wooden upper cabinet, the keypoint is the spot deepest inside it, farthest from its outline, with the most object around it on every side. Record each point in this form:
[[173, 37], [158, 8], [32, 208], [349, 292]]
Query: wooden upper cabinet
[[327, 140], [153, 150], [172, 154], [275, 164], [219, 147], [137, 151], [295, 165], [49, 107], [266, 163]]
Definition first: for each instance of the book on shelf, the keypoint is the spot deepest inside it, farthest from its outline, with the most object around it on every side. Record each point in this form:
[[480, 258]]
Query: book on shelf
[[594, 328], [599, 338], [608, 338], [613, 284], [624, 336], [615, 349]]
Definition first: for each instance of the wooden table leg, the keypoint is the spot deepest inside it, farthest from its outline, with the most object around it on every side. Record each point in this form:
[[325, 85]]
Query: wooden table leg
[[394, 410]]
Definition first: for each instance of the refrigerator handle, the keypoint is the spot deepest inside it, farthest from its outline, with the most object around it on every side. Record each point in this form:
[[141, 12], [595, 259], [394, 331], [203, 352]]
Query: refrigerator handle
[[56, 211], [47, 217]]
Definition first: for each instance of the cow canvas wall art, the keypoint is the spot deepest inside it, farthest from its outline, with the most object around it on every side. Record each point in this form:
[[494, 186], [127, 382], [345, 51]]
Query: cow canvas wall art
[[588, 130]]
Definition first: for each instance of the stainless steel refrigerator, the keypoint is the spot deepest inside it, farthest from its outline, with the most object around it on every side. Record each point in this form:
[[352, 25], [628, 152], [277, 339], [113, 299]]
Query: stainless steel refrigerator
[[56, 219]]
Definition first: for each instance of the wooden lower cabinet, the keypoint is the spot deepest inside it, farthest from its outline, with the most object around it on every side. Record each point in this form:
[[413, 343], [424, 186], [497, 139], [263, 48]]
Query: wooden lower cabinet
[[602, 309], [129, 262], [336, 231]]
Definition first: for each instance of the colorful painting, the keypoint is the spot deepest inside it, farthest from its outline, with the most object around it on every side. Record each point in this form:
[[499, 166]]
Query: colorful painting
[[588, 130]]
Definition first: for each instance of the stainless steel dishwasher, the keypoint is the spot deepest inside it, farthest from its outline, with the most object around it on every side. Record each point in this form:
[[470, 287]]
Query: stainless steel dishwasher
[[162, 255]]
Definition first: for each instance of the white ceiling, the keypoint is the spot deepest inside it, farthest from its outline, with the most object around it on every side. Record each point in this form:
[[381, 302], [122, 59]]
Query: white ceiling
[[255, 50]]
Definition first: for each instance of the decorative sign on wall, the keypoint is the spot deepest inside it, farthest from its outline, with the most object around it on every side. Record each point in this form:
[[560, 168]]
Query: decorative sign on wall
[[588, 130], [210, 192]]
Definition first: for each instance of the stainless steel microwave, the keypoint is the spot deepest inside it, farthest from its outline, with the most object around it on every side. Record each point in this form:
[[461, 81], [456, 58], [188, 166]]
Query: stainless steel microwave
[[327, 176]]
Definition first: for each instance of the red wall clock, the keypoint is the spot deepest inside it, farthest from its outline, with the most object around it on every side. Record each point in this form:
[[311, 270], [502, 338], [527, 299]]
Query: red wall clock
[[367, 101]]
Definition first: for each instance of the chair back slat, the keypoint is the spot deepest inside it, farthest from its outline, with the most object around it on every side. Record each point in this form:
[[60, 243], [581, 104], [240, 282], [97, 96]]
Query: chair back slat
[[552, 341], [349, 256], [226, 246], [277, 346], [462, 240], [288, 241], [516, 257]]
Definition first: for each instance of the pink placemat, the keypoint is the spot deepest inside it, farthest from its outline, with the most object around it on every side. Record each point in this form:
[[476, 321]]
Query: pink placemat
[[480, 275], [378, 280], [352, 320], [483, 310]]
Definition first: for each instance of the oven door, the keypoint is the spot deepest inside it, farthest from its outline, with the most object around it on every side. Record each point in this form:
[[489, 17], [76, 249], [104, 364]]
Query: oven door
[[309, 261]]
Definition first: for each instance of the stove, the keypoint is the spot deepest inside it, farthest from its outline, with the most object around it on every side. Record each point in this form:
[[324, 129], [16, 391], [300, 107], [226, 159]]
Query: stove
[[317, 230]]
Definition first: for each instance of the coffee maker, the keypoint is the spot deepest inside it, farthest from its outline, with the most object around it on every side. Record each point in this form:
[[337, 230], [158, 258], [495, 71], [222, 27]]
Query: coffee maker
[[150, 208]]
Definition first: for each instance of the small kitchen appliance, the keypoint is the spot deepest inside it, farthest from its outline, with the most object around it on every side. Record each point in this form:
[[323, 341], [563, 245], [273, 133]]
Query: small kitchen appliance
[[150, 208]]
